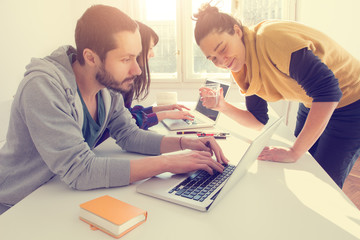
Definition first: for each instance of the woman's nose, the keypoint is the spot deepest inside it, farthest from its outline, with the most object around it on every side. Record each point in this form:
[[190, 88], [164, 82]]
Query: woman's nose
[[151, 54]]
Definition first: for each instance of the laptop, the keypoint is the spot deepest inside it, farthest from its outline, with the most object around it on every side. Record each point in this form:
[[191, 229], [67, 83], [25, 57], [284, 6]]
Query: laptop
[[192, 191], [204, 117]]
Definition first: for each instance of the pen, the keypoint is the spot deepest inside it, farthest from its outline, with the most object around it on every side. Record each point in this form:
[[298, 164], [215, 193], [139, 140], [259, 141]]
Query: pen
[[216, 136], [187, 132], [221, 133], [205, 134], [220, 137], [214, 133]]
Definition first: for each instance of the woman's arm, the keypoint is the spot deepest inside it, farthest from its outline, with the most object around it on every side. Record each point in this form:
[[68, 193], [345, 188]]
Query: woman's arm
[[144, 117], [319, 83], [173, 111], [243, 117], [150, 116], [318, 117], [254, 117], [179, 107], [173, 114]]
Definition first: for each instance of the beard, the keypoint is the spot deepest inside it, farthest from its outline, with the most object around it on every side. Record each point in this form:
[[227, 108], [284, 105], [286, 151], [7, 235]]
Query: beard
[[107, 80]]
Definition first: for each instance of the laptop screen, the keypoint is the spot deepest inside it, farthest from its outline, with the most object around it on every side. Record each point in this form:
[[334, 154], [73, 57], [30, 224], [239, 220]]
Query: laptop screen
[[212, 114]]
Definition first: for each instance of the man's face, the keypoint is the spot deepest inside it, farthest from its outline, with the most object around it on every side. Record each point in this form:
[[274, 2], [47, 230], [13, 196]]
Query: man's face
[[120, 67]]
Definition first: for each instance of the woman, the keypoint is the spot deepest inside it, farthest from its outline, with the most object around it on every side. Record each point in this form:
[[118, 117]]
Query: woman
[[150, 116], [277, 60]]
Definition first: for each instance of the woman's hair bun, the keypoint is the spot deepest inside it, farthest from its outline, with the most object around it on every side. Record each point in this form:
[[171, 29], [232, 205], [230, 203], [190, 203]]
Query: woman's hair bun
[[210, 19], [205, 9]]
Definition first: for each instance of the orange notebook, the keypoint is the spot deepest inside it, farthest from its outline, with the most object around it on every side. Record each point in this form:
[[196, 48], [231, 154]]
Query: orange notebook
[[111, 215]]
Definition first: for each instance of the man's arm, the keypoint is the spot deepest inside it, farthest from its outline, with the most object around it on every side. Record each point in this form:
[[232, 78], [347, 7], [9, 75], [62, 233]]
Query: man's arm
[[58, 139], [184, 162]]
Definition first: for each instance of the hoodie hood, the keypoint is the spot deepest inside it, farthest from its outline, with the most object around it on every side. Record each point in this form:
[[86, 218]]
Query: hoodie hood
[[58, 67]]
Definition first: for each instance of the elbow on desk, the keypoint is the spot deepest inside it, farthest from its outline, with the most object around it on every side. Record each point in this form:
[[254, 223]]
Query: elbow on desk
[[85, 183], [91, 183], [258, 124], [76, 185], [258, 127]]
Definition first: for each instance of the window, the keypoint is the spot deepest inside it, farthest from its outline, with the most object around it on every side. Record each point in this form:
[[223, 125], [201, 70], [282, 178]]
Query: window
[[163, 21], [177, 56]]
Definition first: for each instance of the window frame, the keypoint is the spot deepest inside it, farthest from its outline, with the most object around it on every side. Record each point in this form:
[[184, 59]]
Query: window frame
[[184, 40]]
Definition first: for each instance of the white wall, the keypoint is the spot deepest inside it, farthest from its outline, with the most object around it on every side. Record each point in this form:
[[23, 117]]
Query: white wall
[[34, 28], [339, 19]]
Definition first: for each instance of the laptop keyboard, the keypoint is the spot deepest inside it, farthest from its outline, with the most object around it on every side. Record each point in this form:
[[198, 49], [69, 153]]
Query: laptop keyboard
[[194, 121], [189, 122], [199, 185]]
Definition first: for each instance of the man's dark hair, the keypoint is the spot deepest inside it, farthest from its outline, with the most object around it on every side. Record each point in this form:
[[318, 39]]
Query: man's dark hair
[[96, 28]]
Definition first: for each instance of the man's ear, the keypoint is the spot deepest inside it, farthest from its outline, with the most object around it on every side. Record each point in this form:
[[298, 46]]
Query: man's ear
[[90, 56]]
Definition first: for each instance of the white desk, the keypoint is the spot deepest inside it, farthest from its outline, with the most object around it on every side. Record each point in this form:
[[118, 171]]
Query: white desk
[[273, 201]]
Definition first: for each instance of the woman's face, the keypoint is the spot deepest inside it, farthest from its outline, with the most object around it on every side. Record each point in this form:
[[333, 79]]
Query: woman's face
[[150, 53], [225, 50], [151, 50]]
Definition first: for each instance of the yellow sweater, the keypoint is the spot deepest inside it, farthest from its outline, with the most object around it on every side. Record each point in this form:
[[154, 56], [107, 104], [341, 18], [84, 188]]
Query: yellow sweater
[[269, 46]]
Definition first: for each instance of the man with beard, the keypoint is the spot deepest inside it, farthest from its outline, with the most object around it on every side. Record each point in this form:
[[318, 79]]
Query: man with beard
[[67, 100]]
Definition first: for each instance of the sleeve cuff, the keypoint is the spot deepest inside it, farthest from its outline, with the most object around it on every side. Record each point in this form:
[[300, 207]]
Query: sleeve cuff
[[152, 120], [148, 110]]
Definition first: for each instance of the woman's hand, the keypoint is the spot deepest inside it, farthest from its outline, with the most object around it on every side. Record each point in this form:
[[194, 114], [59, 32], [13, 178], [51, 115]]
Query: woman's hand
[[173, 111], [278, 154], [174, 114], [317, 119], [179, 107], [211, 102]]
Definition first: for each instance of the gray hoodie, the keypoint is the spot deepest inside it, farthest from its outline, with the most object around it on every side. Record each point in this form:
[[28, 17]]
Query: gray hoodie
[[44, 137]]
